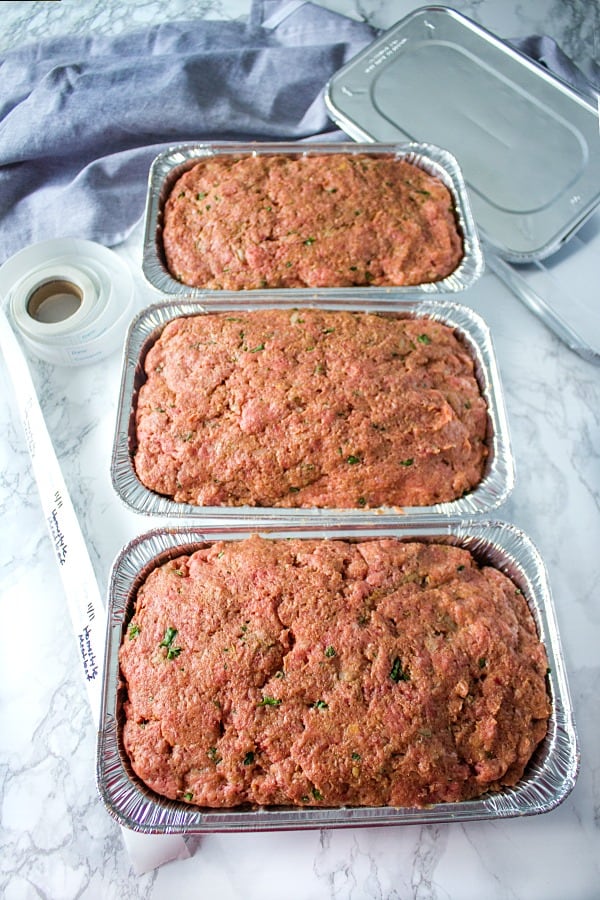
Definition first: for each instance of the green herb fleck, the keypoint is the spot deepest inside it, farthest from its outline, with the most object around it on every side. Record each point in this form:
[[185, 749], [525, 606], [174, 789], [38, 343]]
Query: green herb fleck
[[213, 755], [133, 630], [424, 339], [269, 701], [309, 241], [169, 637], [256, 349], [407, 462], [201, 195], [329, 652], [188, 795], [294, 490], [167, 641], [320, 704], [356, 757], [328, 330], [482, 662], [249, 758], [353, 460], [397, 673], [361, 501], [317, 794]]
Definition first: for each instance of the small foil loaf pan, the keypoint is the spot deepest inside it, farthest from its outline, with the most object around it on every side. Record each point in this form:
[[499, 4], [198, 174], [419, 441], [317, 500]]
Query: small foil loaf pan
[[547, 780], [173, 163], [498, 474]]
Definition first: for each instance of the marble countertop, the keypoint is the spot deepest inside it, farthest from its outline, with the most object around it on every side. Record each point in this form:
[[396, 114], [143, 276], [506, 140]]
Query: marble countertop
[[57, 840]]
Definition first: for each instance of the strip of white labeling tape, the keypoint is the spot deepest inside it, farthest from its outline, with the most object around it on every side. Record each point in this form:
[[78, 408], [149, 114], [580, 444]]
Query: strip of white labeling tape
[[86, 609], [85, 605], [69, 299]]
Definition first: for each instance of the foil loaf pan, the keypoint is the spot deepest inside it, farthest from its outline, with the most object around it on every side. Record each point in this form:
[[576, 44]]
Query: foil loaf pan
[[548, 779], [172, 163], [493, 490]]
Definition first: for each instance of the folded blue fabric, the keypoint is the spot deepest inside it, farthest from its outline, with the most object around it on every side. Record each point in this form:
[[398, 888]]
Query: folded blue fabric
[[82, 118]]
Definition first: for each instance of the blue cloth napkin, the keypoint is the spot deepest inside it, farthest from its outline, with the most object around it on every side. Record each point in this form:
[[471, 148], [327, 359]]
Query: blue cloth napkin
[[82, 118]]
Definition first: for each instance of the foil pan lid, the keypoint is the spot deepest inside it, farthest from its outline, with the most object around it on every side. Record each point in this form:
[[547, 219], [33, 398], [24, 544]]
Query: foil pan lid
[[527, 143]]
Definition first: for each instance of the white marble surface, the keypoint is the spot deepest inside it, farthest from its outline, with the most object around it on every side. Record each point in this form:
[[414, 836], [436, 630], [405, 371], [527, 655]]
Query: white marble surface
[[56, 838]]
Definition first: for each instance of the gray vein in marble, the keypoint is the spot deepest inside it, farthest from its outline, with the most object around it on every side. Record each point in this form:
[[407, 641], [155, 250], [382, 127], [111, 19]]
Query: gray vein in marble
[[27, 22], [430, 848], [578, 23], [347, 871]]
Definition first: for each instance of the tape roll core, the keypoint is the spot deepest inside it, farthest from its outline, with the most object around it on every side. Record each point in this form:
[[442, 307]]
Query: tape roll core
[[54, 301], [69, 299]]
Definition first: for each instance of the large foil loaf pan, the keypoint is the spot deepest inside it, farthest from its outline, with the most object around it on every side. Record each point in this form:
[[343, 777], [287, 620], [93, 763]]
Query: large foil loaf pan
[[492, 490], [547, 780], [172, 163]]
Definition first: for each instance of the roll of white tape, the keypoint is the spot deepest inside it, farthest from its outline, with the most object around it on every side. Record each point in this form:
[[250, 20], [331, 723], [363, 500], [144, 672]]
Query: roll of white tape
[[69, 299]]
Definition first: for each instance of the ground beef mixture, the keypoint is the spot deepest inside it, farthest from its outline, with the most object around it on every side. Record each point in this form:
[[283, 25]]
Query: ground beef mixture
[[238, 223], [328, 673], [309, 408]]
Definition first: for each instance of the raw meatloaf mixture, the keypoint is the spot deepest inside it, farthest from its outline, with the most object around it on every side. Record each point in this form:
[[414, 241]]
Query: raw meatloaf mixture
[[327, 673], [309, 221], [309, 408]]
